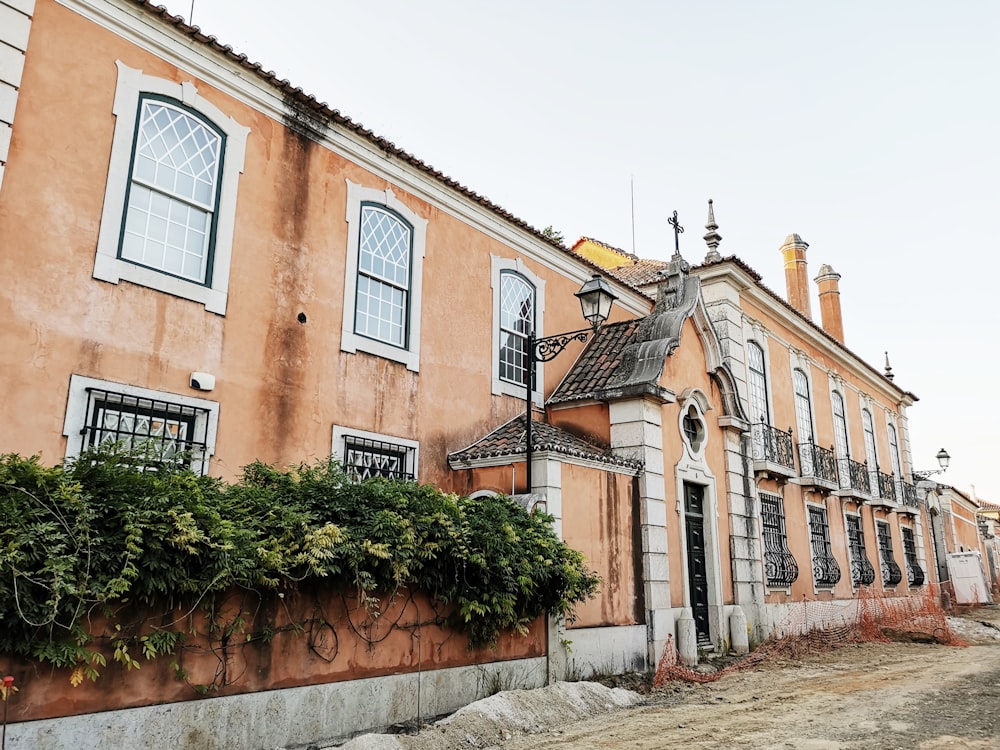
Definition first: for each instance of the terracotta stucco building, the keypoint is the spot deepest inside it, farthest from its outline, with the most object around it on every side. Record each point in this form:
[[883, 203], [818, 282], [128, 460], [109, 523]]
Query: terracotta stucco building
[[209, 261]]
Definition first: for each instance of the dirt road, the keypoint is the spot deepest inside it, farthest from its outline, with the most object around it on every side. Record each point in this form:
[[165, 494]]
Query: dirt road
[[879, 696], [874, 696]]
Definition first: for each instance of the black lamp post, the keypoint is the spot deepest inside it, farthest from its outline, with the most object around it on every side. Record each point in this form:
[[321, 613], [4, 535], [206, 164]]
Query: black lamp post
[[596, 299]]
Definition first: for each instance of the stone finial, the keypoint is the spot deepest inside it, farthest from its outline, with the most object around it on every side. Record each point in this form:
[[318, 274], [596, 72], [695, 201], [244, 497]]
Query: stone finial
[[888, 368], [712, 238]]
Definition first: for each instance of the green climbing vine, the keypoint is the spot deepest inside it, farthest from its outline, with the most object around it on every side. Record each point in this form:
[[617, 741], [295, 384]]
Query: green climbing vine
[[99, 536]]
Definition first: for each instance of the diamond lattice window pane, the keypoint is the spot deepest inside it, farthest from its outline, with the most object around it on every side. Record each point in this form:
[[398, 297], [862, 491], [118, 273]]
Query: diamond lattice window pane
[[177, 154], [381, 304], [385, 246], [517, 312]]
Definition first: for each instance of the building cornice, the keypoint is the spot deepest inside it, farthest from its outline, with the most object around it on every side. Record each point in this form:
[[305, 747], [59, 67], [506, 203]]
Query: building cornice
[[168, 37], [733, 271]]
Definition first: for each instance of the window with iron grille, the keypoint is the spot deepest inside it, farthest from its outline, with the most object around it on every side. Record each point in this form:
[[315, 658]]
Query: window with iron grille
[[780, 568], [366, 455], [160, 428], [517, 316], [826, 570], [914, 572], [891, 574], [862, 572]]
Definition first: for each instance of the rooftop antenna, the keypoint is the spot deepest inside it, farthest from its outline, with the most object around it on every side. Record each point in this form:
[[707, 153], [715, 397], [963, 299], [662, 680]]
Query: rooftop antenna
[[631, 186], [191, 15]]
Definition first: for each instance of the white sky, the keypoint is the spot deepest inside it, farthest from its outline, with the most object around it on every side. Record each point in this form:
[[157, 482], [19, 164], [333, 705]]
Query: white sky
[[870, 129]]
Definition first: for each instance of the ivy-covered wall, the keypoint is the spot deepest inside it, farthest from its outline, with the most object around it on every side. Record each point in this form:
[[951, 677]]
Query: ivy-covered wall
[[121, 587]]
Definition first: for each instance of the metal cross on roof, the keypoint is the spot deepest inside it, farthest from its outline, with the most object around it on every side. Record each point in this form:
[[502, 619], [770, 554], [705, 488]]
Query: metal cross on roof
[[678, 230]]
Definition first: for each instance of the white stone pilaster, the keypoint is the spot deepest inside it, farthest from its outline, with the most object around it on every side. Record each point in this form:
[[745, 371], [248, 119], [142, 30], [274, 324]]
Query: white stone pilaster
[[15, 27], [637, 432]]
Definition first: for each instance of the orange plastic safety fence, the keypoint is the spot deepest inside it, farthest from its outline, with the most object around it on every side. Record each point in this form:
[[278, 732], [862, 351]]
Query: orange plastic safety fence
[[817, 627]]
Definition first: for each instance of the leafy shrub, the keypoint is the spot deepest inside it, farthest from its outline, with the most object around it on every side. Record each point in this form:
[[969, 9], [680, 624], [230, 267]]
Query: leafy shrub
[[100, 534]]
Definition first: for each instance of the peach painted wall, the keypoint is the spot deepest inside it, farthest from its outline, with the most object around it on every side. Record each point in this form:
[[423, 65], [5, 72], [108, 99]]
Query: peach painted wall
[[340, 640], [963, 533], [281, 384], [597, 519], [592, 421]]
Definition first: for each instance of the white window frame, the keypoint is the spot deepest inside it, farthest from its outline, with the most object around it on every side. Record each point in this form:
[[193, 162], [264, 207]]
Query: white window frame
[[79, 397], [108, 266], [502, 387], [895, 455], [798, 406], [412, 447], [837, 391], [760, 343], [349, 340], [871, 445]]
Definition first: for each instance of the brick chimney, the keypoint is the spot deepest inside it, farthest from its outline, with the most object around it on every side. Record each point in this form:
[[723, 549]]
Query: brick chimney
[[829, 302], [796, 275]]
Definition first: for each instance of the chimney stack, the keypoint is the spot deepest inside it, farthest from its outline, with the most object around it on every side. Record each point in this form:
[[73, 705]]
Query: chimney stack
[[829, 302], [796, 274]]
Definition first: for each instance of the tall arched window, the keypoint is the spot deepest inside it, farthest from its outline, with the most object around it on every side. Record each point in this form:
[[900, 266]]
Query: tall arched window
[[894, 452], [840, 426], [803, 406], [757, 384], [382, 305], [172, 196], [517, 318], [870, 455]]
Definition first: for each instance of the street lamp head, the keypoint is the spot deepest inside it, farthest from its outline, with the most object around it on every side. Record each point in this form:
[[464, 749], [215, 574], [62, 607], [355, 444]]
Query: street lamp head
[[596, 299], [943, 459]]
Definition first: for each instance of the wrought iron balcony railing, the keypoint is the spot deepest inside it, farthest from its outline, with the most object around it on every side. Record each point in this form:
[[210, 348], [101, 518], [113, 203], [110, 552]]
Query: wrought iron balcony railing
[[907, 494], [853, 476], [817, 462], [891, 574], [780, 568], [887, 486], [773, 445], [826, 570], [862, 572]]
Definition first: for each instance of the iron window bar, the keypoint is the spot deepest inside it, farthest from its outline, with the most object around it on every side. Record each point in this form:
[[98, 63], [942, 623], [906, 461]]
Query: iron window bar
[[891, 574], [365, 458], [780, 568], [772, 444], [862, 571], [826, 569], [914, 573], [164, 431]]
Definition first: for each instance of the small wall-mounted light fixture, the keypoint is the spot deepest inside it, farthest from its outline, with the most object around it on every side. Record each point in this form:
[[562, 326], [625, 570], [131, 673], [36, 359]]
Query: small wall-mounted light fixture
[[943, 460], [202, 381]]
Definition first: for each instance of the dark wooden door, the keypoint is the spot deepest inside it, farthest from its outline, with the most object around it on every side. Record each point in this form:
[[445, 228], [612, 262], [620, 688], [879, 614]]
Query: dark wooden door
[[694, 501]]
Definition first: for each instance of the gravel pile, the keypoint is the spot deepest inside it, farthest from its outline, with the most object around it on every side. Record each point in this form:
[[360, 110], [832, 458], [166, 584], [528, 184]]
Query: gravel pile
[[491, 721]]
